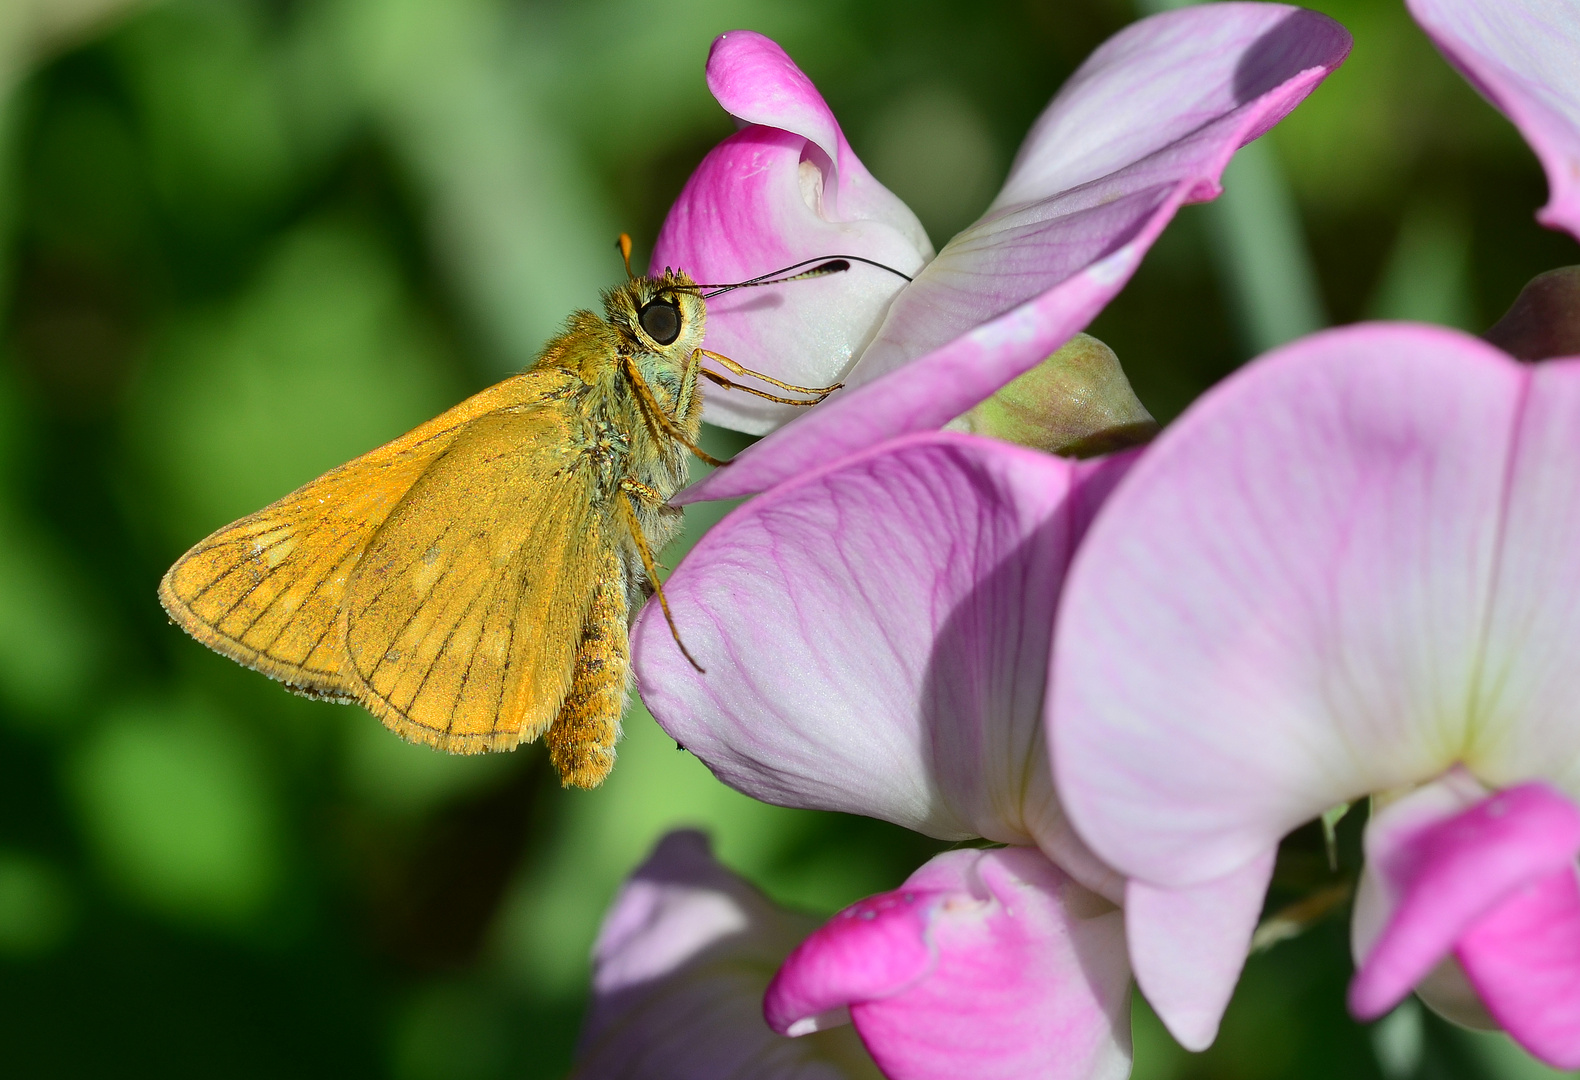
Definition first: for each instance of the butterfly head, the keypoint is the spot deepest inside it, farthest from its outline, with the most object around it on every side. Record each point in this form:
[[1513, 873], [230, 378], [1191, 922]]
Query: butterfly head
[[663, 315]]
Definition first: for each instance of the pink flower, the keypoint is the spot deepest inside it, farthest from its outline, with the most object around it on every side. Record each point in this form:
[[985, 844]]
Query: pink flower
[[988, 964], [876, 636], [679, 969], [1147, 124], [1348, 570], [1524, 57]]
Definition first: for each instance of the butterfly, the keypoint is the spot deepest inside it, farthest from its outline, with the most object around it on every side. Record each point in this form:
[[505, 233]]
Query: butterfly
[[471, 582]]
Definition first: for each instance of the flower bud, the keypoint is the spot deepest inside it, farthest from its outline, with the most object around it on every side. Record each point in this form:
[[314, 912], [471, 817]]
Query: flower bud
[[1077, 403]]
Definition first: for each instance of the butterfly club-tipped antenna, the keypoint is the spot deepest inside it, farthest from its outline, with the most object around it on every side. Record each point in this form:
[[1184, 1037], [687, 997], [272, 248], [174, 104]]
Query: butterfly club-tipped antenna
[[822, 266]]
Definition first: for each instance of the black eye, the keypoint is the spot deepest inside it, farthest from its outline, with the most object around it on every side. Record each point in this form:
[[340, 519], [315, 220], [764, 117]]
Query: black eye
[[661, 321]]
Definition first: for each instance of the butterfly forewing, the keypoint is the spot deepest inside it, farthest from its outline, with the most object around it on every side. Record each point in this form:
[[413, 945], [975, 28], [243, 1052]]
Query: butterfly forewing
[[268, 590], [463, 615]]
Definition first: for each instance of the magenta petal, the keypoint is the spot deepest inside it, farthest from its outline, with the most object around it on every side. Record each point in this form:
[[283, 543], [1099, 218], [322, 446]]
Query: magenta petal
[[1188, 946], [786, 188], [1524, 57], [875, 637], [684, 955], [1020, 283], [1524, 960], [1450, 873], [987, 964]]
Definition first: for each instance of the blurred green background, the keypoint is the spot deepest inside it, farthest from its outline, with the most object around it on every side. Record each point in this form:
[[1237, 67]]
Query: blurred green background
[[242, 241]]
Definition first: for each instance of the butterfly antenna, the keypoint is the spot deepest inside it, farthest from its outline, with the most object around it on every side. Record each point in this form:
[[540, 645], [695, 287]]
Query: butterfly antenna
[[821, 266], [624, 246]]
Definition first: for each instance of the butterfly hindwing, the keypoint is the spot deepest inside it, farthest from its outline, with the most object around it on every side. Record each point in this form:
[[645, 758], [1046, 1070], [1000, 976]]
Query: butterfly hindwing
[[463, 616]]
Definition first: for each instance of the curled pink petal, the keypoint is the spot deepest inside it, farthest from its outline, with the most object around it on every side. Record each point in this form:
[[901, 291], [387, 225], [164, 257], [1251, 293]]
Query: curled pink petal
[[786, 188], [1524, 57], [1015, 287], [1188, 946], [875, 638], [1448, 875], [989, 964], [1281, 607], [1524, 960], [679, 970]]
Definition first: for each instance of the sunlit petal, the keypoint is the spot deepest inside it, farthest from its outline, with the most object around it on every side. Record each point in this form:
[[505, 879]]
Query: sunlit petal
[[786, 188], [1013, 288], [989, 964], [875, 638], [1283, 605]]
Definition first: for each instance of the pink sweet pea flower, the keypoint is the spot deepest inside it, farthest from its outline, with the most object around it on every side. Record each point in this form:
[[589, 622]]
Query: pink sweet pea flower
[[1146, 125], [1524, 57], [876, 636], [679, 969], [1350, 569]]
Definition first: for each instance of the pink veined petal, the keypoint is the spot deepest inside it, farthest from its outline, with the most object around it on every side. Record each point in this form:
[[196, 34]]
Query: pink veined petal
[[1530, 675], [1524, 57], [786, 188], [1449, 874], [875, 638], [1016, 286], [1189, 945], [988, 964], [1524, 960], [684, 955], [1282, 606]]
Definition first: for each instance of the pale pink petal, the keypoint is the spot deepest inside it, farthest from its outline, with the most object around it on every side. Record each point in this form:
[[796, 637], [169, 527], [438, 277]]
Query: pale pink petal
[[987, 964], [1283, 605], [1188, 946], [875, 639], [679, 971], [1524, 57], [1018, 285], [1530, 677], [786, 188], [1495, 884]]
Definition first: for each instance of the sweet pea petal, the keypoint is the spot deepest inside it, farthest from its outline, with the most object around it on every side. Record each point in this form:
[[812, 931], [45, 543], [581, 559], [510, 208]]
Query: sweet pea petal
[[1016, 286], [757, 83], [1283, 605], [1524, 57], [989, 964], [1494, 882], [680, 966], [786, 188], [1530, 674], [1188, 946], [1524, 960], [875, 638], [1106, 155]]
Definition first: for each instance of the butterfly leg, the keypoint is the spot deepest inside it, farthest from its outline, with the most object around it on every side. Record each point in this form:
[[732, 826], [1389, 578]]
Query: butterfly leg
[[722, 381], [740, 369], [637, 490], [581, 739], [661, 419]]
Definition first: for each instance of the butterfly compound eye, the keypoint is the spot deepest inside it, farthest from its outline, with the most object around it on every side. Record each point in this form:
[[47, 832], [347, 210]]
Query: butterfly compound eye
[[661, 321]]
